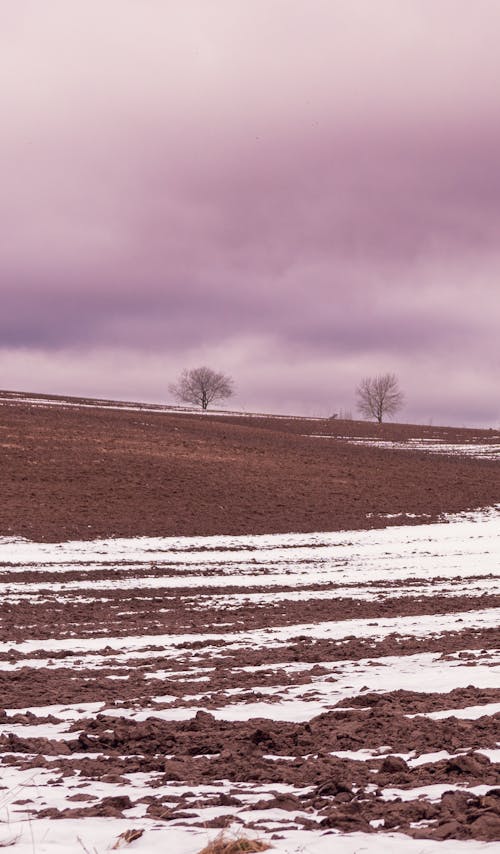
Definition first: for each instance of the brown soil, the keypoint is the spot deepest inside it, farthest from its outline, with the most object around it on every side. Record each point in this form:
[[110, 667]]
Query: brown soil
[[72, 472], [42, 686], [20, 621], [341, 793]]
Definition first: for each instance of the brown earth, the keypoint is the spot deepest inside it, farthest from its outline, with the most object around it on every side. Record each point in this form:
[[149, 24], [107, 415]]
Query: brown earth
[[21, 621], [341, 793], [74, 472], [118, 683]]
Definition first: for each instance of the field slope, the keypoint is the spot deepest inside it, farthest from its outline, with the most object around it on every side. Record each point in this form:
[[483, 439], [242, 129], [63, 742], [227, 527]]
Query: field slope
[[79, 469], [281, 628]]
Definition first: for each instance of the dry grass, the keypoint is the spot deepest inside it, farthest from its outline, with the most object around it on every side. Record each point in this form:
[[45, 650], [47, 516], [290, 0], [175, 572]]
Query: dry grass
[[127, 837], [6, 843], [223, 844], [8, 837]]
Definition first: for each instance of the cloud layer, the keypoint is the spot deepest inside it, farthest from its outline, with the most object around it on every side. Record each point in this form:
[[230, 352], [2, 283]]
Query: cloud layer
[[299, 192]]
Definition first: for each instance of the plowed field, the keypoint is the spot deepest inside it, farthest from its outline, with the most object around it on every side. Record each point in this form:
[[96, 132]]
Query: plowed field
[[319, 691]]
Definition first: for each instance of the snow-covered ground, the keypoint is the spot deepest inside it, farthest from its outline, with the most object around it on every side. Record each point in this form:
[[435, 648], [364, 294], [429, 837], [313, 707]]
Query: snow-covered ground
[[480, 450], [459, 556], [98, 835], [457, 546]]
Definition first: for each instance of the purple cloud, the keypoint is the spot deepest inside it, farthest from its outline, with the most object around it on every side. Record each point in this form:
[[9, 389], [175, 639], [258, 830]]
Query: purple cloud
[[266, 185]]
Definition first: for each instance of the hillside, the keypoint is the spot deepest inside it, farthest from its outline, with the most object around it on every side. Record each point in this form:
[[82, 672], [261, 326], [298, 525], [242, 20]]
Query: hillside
[[74, 468], [290, 686]]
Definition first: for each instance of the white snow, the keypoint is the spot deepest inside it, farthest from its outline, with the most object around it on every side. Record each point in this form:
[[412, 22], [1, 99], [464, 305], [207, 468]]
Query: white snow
[[97, 835], [431, 793], [480, 450], [403, 551], [450, 558], [276, 636], [469, 712]]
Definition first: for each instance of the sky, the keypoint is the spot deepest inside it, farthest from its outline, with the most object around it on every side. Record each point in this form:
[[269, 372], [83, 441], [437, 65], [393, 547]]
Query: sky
[[298, 193]]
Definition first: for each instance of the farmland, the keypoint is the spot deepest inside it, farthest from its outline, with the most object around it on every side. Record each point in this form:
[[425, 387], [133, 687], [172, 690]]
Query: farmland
[[315, 663]]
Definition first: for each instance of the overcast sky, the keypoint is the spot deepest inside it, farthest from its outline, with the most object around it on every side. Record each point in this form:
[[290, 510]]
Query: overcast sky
[[299, 193]]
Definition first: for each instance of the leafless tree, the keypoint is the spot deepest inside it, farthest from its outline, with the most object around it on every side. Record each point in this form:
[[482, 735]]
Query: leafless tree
[[201, 387], [379, 396]]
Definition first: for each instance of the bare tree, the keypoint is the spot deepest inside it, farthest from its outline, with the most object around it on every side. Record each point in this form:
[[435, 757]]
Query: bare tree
[[379, 396], [202, 386]]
